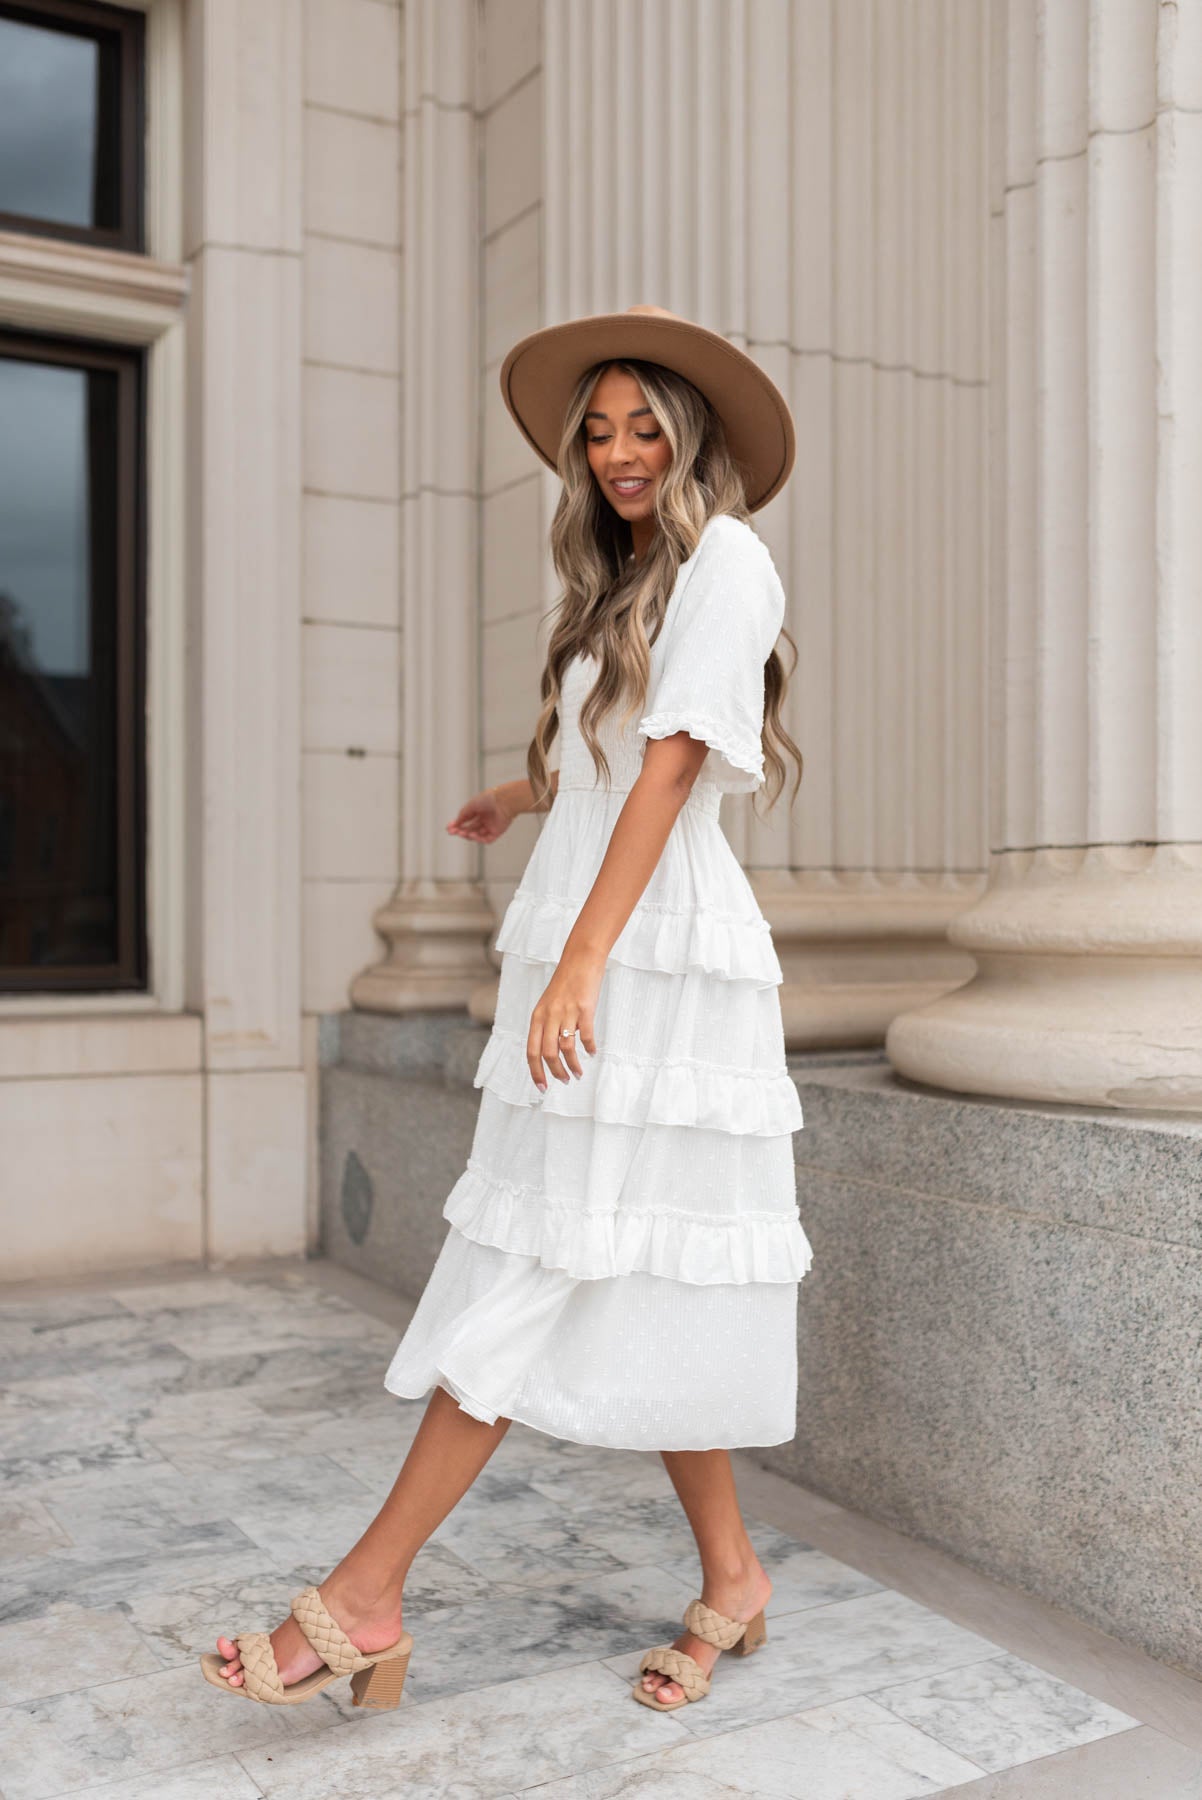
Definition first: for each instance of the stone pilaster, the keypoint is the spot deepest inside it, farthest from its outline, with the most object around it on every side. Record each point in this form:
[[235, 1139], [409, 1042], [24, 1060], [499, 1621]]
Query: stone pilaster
[[242, 244]]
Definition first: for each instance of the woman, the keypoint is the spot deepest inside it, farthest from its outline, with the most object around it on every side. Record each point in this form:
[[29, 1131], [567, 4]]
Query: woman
[[624, 1249]]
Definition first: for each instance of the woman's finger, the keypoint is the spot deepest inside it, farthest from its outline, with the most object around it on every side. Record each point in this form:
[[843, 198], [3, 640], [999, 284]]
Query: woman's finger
[[584, 1025], [534, 1058], [570, 1053], [552, 1050]]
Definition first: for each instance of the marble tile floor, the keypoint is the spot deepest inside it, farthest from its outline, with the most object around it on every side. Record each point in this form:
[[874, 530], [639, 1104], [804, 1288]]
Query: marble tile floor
[[180, 1453]]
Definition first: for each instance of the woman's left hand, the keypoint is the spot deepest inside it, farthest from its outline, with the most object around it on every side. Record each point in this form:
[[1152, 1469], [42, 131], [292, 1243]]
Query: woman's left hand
[[568, 1001]]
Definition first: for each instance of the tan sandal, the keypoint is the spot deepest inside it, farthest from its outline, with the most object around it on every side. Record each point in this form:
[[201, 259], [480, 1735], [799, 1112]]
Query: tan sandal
[[377, 1676], [712, 1628]]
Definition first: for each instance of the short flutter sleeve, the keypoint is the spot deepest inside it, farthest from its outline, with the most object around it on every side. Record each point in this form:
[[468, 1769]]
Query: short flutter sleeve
[[718, 633]]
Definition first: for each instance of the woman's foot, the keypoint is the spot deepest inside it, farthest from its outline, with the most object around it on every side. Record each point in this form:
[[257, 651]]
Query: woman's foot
[[371, 1624], [739, 1596]]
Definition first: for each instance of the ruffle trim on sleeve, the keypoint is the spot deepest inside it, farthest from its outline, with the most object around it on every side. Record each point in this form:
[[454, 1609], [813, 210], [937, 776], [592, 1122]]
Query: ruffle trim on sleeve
[[733, 948], [624, 1090], [741, 769], [591, 1243]]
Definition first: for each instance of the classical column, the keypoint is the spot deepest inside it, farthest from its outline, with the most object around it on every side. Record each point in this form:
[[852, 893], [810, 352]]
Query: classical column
[[1088, 940], [438, 921], [833, 227]]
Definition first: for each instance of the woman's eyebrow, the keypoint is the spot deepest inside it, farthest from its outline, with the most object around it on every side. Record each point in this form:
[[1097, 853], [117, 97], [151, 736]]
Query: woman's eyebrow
[[638, 413]]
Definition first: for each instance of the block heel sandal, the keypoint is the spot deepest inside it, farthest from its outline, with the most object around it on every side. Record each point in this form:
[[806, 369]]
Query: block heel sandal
[[377, 1676], [712, 1628]]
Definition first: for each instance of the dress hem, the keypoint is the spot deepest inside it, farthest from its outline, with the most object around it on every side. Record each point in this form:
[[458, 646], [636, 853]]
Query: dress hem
[[447, 1382]]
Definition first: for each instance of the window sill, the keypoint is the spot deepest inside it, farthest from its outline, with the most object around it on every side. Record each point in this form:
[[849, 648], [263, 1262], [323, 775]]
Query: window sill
[[49, 283]]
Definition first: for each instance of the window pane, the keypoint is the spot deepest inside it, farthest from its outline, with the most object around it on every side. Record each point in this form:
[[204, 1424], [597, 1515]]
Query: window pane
[[59, 124], [59, 861]]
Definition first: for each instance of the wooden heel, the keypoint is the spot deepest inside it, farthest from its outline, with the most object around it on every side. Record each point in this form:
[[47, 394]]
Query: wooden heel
[[380, 1686], [755, 1635]]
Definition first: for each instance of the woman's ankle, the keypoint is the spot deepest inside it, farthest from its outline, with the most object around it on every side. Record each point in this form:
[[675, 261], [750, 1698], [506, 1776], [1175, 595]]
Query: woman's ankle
[[735, 1568], [365, 1593]]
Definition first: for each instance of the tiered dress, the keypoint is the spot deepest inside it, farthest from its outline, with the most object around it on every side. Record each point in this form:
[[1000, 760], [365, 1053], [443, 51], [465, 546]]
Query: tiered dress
[[623, 1251]]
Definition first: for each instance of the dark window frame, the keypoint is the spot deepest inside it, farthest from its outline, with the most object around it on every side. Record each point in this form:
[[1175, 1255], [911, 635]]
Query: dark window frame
[[87, 18], [130, 970]]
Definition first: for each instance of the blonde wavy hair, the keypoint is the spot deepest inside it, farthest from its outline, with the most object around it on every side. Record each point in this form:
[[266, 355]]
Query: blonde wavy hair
[[613, 607]]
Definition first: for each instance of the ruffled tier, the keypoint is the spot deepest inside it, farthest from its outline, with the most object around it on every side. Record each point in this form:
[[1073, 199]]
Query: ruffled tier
[[673, 940], [592, 1243], [627, 1090]]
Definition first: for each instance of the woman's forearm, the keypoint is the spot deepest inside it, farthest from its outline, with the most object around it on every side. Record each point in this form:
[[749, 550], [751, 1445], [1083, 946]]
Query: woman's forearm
[[518, 796], [635, 845]]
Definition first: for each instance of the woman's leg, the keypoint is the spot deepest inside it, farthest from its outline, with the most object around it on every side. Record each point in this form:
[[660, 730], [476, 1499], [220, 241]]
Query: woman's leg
[[364, 1592], [733, 1580]]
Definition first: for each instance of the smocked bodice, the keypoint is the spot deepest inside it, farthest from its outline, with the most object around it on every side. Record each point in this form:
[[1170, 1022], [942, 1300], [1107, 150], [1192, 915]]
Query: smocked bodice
[[623, 745]]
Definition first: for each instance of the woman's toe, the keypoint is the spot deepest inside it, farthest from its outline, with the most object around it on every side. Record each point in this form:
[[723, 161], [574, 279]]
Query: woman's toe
[[671, 1690]]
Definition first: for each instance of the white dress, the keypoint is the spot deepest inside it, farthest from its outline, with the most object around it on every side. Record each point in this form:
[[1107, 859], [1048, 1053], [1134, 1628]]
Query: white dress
[[623, 1252]]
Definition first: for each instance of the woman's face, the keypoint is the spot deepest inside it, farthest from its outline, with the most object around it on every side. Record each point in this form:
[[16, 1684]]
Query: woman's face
[[627, 451]]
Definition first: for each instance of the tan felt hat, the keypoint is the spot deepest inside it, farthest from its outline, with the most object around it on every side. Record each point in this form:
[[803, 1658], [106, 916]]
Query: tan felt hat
[[539, 373]]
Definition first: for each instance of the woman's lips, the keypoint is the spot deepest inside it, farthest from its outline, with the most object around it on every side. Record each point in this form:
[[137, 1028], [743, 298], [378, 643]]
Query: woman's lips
[[629, 492]]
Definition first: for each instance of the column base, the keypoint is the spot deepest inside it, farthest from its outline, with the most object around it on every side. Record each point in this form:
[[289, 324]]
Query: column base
[[858, 947], [1088, 988], [438, 934]]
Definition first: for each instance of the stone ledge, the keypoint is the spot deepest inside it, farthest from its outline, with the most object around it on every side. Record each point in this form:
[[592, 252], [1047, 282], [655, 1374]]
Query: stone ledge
[[1136, 1173], [442, 1046], [998, 1340]]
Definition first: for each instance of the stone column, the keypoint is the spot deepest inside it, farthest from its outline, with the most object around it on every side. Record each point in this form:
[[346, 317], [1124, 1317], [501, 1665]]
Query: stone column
[[438, 921], [1088, 939], [833, 227]]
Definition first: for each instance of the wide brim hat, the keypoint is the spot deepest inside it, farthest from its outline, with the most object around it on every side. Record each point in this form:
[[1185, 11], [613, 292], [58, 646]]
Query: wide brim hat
[[540, 372]]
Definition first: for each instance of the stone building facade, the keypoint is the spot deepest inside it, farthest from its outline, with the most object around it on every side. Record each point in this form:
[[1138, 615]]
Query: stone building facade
[[963, 237]]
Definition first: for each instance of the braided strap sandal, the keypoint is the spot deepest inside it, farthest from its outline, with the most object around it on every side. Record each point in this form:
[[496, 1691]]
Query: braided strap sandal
[[711, 1627], [377, 1676]]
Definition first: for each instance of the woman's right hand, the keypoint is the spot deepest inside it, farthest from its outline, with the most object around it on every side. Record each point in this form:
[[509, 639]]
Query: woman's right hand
[[482, 818]]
